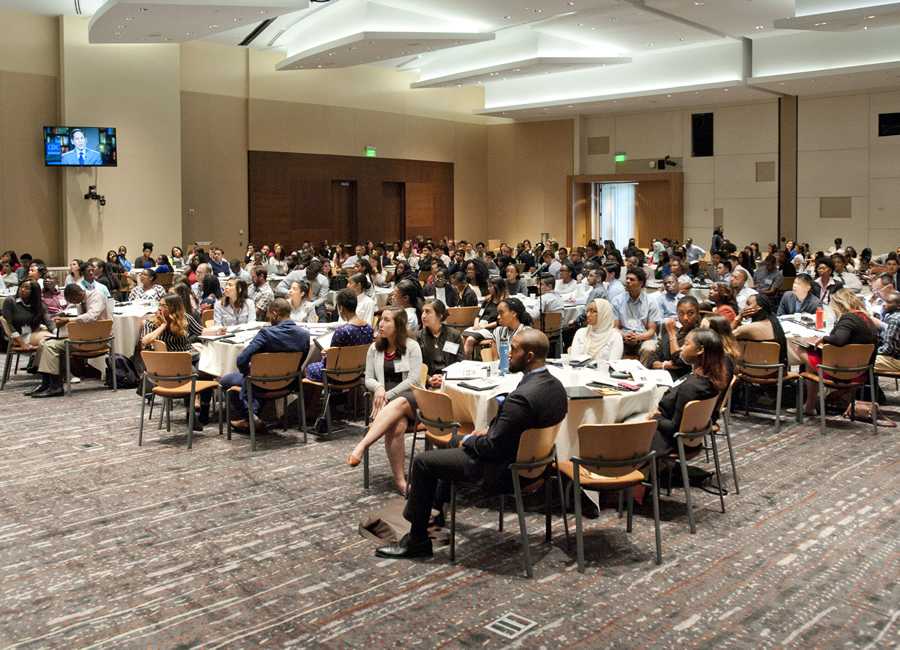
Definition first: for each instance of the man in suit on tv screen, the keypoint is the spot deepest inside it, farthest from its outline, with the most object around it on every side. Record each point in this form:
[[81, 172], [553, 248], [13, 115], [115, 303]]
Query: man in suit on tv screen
[[81, 155]]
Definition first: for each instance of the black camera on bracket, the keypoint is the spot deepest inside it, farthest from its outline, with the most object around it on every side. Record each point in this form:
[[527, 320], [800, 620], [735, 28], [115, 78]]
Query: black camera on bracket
[[93, 196]]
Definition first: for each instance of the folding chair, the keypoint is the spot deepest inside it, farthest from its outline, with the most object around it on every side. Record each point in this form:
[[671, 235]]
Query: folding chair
[[435, 414], [344, 371], [87, 341], [609, 460], [173, 377], [271, 377]]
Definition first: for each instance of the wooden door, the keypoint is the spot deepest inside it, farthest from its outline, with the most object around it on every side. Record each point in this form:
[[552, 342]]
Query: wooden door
[[393, 210]]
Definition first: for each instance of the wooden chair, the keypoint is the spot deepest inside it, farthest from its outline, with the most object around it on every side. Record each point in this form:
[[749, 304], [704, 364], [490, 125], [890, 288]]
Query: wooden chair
[[344, 371], [787, 284], [695, 426], [552, 327], [724, 430], [13, 351], [173, 377], [619, 450], [536, 453], [759, 366], [165, 280], [845, 366], [461, 317], [435, 414], [489, 352], [207, 316], [87, 341], [273, 376]]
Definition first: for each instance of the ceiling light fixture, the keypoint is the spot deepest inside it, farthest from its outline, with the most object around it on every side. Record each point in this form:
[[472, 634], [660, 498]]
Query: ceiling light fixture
[[760, 27]]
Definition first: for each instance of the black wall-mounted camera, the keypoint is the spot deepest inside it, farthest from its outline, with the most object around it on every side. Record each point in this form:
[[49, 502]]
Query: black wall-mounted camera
[[93, 196]]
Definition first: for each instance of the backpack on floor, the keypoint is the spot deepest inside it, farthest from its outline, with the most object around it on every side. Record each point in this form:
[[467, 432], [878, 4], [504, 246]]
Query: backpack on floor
[[126, 374]]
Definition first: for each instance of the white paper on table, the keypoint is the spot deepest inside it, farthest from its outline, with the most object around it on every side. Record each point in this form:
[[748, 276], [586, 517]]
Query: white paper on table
[[466, 370], [658, 377], [631, 366]]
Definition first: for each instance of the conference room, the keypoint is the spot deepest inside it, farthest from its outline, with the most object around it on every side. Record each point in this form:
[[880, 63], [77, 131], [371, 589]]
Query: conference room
[[449, 323]]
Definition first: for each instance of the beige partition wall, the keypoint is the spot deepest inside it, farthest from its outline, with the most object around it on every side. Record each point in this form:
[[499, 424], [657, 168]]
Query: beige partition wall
[[787, 176], [136, 89], [29, 86]]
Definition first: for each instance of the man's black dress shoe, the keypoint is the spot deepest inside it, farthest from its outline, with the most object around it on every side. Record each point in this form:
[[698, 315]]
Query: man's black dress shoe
[[51, 391], [405, 550]]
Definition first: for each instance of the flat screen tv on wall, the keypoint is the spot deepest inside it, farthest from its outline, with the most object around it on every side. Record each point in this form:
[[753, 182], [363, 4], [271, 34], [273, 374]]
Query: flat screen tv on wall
[[80, 146]]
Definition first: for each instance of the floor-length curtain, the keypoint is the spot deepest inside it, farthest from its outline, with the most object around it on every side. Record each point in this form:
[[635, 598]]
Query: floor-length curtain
[[617, 217]]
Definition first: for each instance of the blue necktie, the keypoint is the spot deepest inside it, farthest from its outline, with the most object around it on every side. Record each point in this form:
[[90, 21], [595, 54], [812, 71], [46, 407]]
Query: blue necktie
[[81, 158]]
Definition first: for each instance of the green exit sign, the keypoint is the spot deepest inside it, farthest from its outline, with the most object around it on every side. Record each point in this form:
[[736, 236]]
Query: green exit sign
[[371, 152], [621, 157]]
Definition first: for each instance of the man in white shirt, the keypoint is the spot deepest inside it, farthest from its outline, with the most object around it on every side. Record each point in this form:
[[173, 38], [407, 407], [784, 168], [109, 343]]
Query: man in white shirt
[[549, 300], [566, 283], [91, 306], [351, 261], [741, 291], [551, 265], [837, 248], [694, 252], [197, 287], [667, 299]]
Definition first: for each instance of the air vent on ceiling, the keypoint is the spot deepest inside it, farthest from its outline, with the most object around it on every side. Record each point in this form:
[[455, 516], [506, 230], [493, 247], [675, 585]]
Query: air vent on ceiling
[[259, 29]]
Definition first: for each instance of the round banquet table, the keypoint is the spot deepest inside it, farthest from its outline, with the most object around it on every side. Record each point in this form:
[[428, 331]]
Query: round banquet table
[[480, 407], [572, 309], [127, 324]]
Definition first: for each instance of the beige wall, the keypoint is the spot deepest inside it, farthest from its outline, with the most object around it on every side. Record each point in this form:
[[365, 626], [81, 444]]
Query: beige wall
[[135, 88], [29, 192], [840, 154], [528, 164], [743, 136]]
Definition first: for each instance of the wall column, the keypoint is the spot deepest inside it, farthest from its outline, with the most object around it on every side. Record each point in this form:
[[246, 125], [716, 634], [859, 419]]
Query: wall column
[[787, 167]]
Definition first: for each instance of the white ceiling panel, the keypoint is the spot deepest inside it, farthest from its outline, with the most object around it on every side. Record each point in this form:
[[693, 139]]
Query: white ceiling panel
[[863, 18], [520, 68], [733, 17], [834, 82], [367, 47], [156, 21]]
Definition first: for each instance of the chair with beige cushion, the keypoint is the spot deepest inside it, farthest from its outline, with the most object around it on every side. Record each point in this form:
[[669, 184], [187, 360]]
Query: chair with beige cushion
[[173, 377], [273, 376], [87, 340], [536, 454], [435, 414], [609, 460], [344, 371], [846, 366]]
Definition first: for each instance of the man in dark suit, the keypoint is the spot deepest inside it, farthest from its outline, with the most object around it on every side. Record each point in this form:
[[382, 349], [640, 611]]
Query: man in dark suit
[[284, 335], [81, 155], [539, 401]]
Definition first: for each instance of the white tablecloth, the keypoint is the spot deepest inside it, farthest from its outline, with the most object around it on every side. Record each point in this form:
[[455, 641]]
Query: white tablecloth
[[572, 309], [480, 407], [127, 324], [382, 297]]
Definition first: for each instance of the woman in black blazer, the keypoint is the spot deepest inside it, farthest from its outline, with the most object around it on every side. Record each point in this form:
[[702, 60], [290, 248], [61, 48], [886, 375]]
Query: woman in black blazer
[[710, 376]]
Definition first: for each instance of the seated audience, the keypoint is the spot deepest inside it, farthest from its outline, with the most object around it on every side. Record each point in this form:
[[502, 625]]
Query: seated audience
[[844, 276], [636, 315], [234, 308], [303, 310], [667, 299], [484, 456], [52, 297], [722, 298], [487, 316], [566, 283], [407, 295], [512, 318], [171, 325], [145, 261], [599, 339], [515, 285], [464, 295], [284, 335], [614, 286], [163, 265], [709, 377], [852, 325], [91, 307], [354, 331], [365, 305], [148, 289], [800, 299], [219, 265], [826, 285], [595, 284], [740, 288], [670, 341], [74, 274], [768, 277], [888, 359], [27, 316], [260, 292], [393, 364], [764, 325], [440, 345], [722, 326]]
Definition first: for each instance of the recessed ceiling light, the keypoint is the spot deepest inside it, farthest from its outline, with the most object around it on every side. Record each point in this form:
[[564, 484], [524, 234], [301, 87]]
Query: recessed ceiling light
[[144, 10], [214, 27], [867, 17], [238, 19], [572, 105], [571, 3], [263, 12], [613, 19], [669, 96], [650, 44], [128, 19], [507, 17], [760, 27], [459, 85], [580, 24], [866, 28], [726, 90], [681, 39], [593, 29], [697, 3], [331, 54], [120, 26], [538, 11], [824, 22], [188, 34], [518, 70]]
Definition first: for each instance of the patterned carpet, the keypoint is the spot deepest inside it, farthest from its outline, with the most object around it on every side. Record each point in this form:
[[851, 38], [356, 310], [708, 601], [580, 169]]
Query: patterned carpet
[[105, 544]]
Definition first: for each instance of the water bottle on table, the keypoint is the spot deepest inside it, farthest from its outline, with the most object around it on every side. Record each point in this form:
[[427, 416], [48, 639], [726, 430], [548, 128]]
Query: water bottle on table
[[503, 352]]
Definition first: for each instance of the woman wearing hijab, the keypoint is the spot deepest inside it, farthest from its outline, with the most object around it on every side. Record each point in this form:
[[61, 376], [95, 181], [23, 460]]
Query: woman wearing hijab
[[764, 326], [600, 339], [658, 250]]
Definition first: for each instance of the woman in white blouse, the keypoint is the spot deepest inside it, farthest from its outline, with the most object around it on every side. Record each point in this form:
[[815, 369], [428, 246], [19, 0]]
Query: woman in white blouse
[[234, 307], [303, 310], [365, 306], [600, 340]]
